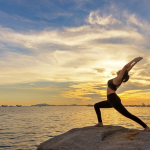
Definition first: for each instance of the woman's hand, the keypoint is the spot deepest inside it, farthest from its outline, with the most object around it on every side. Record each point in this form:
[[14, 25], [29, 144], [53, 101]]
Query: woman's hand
[[137, 59]]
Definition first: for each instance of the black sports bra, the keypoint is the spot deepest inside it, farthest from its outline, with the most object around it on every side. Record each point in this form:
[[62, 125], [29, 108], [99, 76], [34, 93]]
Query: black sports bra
[[111, 85]]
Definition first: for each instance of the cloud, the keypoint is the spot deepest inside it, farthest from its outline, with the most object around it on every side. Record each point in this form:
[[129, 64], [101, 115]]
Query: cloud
[[95, 18], [51, 16], [16, 17], [35, 40], [136, 96], [87, 53], [100, 70], [83, 28], [134, 20], [85, 92]]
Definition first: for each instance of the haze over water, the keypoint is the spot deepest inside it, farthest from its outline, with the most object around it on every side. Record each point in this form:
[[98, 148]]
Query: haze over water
[[26, 127]]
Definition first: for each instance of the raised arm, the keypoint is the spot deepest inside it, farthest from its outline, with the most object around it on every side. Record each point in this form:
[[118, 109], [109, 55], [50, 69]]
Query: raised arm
[[127, 67], [136, 60]]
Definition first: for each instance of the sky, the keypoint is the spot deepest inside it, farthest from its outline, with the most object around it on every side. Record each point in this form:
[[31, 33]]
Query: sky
[[63, 52]]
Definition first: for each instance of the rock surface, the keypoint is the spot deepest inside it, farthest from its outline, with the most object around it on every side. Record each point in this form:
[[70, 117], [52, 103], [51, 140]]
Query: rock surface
[[99, 138]]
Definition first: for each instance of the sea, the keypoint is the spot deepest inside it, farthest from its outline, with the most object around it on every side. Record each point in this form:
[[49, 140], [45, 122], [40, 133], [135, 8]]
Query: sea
[[24, 128]]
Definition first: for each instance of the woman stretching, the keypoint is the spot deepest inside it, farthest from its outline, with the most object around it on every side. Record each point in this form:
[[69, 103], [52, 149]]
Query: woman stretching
[[113, 100]]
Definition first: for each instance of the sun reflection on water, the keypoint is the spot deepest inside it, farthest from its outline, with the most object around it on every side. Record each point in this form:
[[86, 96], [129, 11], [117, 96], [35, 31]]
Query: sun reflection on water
[[26, 127]]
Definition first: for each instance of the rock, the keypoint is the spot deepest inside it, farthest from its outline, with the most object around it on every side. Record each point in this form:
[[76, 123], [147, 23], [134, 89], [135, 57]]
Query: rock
[[99, 138]]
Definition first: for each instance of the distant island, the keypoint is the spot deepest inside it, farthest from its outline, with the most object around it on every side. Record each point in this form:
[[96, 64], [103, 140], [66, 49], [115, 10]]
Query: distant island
[[11, 106], [44, 104], [18, 105]]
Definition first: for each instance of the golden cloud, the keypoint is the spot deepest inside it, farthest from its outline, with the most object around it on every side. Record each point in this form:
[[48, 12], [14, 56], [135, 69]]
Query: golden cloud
[[75, 54]]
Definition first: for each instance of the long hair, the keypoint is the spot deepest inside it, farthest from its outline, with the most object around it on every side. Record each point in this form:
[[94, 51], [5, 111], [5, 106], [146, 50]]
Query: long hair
[[125, 77]]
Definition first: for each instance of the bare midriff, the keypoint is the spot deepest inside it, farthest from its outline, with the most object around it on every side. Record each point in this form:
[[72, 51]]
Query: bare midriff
[[109, 91]]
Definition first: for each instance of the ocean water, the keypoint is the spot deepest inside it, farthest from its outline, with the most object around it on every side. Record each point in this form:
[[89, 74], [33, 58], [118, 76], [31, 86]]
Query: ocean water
[[24, 128]]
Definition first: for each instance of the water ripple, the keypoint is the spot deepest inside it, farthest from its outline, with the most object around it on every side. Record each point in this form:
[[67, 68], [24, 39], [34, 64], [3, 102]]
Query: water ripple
[[27, 127]]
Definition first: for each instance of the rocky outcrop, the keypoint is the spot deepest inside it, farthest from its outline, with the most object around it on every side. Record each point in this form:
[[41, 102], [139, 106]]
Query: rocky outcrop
[[99, 138]]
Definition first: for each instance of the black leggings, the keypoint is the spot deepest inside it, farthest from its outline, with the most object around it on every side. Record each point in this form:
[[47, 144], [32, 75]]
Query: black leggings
[[114, 101]]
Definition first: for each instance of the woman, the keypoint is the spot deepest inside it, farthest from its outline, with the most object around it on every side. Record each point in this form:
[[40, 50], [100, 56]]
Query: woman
[[113, 100]]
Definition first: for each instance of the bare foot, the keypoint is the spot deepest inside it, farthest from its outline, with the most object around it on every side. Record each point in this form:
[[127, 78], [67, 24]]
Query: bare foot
[[100, 124], [146, 129]]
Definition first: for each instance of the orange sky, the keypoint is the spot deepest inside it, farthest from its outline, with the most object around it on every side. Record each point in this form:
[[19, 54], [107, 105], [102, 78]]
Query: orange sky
[[49, 62]]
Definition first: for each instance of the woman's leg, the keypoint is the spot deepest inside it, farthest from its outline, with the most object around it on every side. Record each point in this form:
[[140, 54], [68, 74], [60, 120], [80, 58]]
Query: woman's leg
[[115, 101], [103, 104]]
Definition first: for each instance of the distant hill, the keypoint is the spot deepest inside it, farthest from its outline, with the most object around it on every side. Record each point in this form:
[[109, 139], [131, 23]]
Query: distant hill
[[44, 104]]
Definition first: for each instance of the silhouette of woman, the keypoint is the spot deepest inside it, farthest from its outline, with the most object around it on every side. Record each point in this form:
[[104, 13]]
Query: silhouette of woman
[[113, 100]]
